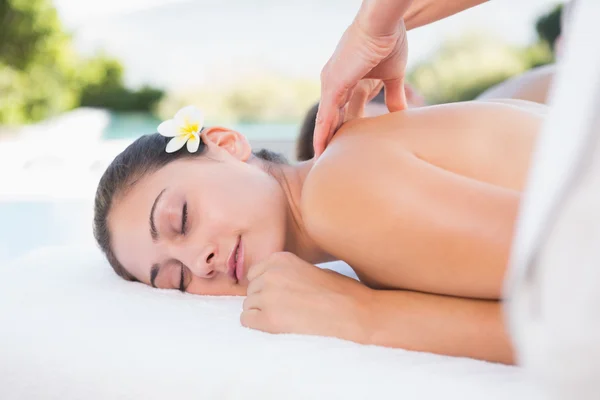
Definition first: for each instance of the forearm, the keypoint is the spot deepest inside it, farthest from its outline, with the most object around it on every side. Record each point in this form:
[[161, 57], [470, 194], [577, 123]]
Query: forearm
[[423, 12], [439, 324], [381, 17]]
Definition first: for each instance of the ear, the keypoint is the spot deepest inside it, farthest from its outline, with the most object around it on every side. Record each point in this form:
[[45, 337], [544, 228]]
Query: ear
[[223, 139]]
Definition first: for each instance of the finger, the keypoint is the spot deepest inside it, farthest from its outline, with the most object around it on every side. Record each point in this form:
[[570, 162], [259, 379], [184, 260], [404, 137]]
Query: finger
[[334, 97], [254, 319], [321, 143], [356, 106], [255, 286], [258, 269], [326, 117], [365, 91], [253, 302], [395, 98], [341, 115]]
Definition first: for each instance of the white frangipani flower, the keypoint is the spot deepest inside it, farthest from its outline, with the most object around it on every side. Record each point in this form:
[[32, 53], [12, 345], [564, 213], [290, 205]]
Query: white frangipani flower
[[184, 128]]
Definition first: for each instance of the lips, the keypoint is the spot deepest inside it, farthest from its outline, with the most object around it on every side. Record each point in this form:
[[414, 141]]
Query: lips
[[234, 261]]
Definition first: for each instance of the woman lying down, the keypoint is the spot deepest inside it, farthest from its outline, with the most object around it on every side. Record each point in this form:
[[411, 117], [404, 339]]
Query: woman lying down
[[421, 203]]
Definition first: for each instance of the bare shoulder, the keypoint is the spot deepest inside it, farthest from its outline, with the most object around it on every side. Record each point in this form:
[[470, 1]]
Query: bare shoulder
[[345, 192], [368, 160], [389, 189]]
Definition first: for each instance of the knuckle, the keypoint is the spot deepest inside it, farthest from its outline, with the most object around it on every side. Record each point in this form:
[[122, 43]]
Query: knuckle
[[286, 256], [271, 277], [252, 288], [272, 298], [246, 303]]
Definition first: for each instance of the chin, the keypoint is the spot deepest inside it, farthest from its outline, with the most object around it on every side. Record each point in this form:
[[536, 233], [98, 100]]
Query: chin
[[267, 249]]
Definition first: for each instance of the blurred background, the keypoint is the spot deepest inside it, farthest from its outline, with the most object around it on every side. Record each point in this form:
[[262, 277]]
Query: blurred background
[[79, 80]]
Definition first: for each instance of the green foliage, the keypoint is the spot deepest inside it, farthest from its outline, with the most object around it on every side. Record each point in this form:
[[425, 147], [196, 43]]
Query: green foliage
[[41, 75], [29, 31], [119, 98], [103, 87], [548, 26], [101, 70], [33, 95], [36, 67]]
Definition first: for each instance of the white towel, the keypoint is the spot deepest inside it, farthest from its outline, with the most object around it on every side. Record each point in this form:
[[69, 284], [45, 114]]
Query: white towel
[[71, 329]]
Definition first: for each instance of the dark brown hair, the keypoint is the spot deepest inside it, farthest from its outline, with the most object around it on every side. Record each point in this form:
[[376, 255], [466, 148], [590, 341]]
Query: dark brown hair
[[146, 155], [304, 143]]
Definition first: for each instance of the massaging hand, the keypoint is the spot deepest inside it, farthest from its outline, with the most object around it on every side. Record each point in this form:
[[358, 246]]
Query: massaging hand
[[363, 52], [289, 295]]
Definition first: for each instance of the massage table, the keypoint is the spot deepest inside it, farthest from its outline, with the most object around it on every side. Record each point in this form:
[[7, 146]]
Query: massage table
[[71, 329]]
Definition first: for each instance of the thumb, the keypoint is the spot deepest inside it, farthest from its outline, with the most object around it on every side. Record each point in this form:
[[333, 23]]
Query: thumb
[[328, 121], [395, 97], [322, 128]]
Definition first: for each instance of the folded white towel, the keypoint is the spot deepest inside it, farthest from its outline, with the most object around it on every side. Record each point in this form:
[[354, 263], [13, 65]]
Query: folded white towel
[[71, 329]]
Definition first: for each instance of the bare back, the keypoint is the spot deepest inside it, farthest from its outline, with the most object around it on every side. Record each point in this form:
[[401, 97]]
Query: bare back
[[424, 199]]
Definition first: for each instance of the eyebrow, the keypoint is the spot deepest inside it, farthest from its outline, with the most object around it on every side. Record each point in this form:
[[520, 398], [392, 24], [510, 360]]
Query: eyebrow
[[153, 231], [153, 274]]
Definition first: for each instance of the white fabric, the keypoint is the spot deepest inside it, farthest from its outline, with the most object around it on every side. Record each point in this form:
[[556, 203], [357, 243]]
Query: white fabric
[[554, 284], [71, 329]]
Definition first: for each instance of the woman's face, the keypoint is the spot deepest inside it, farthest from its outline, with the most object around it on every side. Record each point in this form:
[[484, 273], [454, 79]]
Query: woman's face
[[199, 223]]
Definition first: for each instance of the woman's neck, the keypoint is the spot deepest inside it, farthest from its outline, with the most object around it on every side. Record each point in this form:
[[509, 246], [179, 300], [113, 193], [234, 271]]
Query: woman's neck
[[291, 179]]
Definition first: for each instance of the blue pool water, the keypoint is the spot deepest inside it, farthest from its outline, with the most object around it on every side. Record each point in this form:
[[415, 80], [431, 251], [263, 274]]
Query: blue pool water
[[132, 125]]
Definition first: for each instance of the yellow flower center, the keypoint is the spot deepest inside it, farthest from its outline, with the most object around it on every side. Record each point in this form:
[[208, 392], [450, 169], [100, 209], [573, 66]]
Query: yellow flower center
[[189, 129]]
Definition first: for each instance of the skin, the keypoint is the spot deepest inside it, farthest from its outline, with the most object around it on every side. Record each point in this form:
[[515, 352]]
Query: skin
[[430, 200], [218, 188], [424, 12], [454, 197], [374, 47], [212, 187]]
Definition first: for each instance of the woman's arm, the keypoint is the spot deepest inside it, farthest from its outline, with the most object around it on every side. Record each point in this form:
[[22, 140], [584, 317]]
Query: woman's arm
[[439, 324], [289, 295], [382, 16]]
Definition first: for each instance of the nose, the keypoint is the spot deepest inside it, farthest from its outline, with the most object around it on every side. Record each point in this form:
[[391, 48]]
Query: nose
[[202, 264]]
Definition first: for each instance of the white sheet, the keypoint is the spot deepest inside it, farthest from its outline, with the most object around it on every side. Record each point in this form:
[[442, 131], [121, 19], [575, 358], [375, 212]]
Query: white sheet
[[71, 329]]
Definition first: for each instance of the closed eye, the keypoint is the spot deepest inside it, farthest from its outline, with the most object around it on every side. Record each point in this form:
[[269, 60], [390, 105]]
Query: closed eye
[[182, 280], [184, 218]]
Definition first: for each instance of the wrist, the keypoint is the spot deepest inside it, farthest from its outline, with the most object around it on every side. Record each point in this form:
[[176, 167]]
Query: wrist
[[379, 18], [367, 315]]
